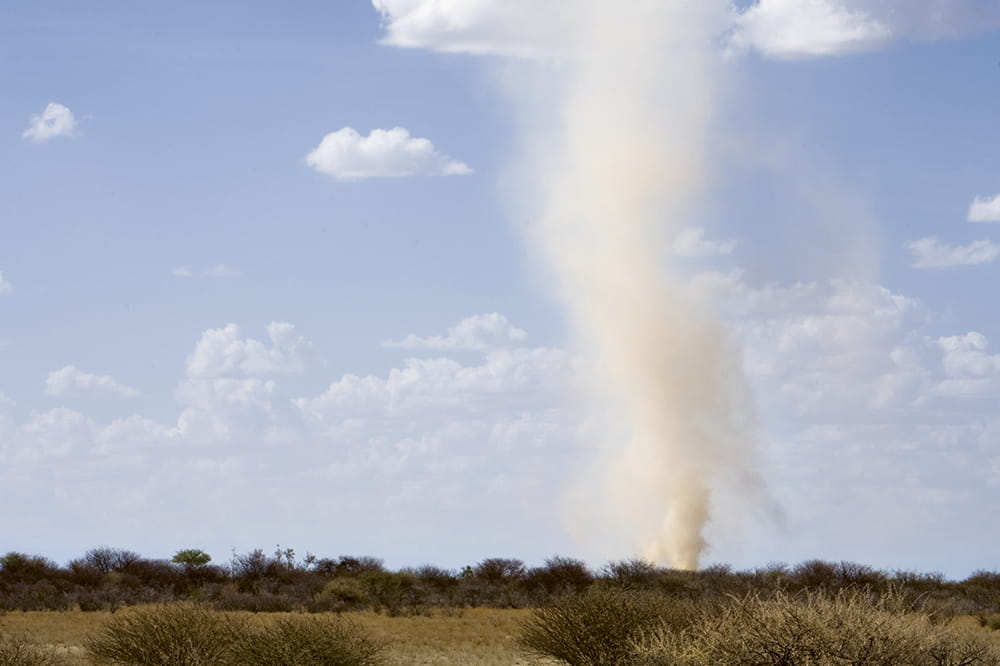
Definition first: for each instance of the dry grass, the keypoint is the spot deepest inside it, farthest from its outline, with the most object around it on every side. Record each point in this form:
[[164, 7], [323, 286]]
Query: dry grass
[[478, 637], [474, 637], [21, 651]]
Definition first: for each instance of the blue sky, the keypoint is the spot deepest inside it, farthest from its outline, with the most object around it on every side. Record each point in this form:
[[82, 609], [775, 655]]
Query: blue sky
[[178, 200]]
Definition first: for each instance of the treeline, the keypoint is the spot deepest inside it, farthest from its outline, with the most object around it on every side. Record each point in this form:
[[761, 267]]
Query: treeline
[[109, 578]]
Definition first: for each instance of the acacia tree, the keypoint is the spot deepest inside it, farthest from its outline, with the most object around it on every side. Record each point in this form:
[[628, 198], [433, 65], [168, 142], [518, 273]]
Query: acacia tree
[[191, 557]]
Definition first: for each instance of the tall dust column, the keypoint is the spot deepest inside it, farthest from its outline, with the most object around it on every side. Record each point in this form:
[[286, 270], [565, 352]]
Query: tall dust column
[[617, 172]]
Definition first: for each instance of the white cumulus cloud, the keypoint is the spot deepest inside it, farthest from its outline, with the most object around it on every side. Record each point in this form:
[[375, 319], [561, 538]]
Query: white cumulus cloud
[[228, 389], [813, 28], [55, 120], [802, 28], [70, 380], [479, 332], [224, 352], [985, 209], [775, 28], [932, 253], [217, 271], [853, 393], [523, 28], [55, 434], [5, 285], [393, 153]]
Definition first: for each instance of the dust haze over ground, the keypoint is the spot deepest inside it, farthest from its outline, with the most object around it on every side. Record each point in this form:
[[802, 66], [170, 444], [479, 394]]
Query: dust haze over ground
[[617, 174]]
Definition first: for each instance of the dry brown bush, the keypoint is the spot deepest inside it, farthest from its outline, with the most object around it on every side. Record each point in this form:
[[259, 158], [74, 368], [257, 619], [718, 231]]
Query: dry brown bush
[[852, 628], [308, 641], [598, 627], [185, 634], [19, 651], [180, 634]]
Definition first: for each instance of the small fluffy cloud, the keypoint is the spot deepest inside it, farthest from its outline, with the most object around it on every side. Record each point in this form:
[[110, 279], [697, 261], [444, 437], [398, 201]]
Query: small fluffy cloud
[[932, 253], [692, 243], [55, 120], [480, 332], [393, 153], [5, 286], [73, 381], [217, 271], [985, 209]]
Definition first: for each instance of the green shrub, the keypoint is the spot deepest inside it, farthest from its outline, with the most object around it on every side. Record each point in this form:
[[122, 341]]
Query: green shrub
[[19, 651], [395, 593], [852, 628], [344, 594], [181, 634], [599, 626], [307, 641]]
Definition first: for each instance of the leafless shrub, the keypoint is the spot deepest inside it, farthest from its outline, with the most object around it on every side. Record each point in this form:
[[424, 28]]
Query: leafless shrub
[[181, 634], [634, 573], [19, 651], [42, 595], [852, 628], [106, 559], [307, 641], [598, 627], [436, 578], [560, 575], [498, 570], [232, 599], [348, 565]]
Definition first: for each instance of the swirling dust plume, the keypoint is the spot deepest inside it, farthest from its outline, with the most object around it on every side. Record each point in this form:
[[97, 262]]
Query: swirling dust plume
[[617, 170]]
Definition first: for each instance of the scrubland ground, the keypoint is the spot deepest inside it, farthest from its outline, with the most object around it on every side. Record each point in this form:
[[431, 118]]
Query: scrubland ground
[[476, 637]]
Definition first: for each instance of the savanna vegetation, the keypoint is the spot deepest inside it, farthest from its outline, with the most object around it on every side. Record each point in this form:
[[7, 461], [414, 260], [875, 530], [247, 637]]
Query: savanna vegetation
[[117, 607]]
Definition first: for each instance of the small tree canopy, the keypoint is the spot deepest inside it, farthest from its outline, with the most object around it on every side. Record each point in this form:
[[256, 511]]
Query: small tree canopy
[[191, 557]]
